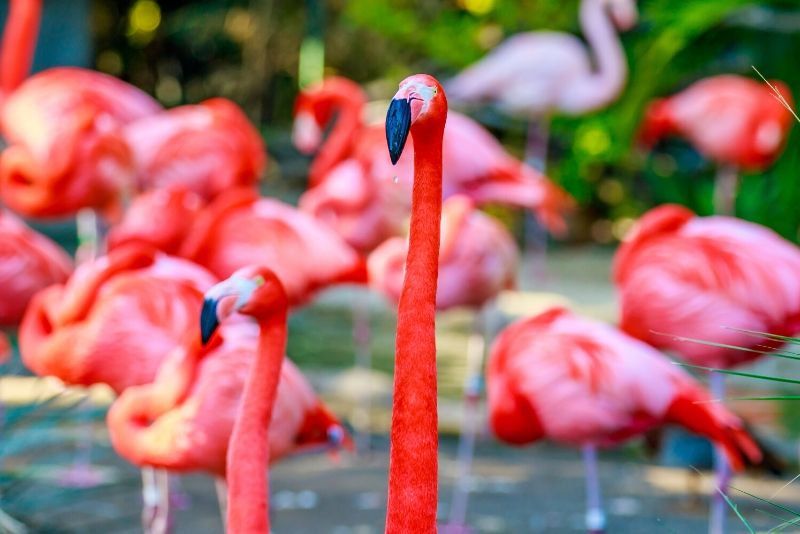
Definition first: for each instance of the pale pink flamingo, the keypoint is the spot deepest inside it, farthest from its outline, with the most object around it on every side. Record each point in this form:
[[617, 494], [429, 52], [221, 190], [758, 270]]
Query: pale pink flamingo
[[536, 74], [707, 278], [477, 260], [183, 420], [419, 107], [583, 383], [735, 121]]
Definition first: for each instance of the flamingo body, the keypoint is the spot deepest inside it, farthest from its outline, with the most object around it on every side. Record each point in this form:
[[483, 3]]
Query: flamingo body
[[194, 432], [730, 119], [691, 276], [114, 320], [477, 258], [240, 229], [29, 262], [537, 73], [580, 382], [207, 148], [66, 149]]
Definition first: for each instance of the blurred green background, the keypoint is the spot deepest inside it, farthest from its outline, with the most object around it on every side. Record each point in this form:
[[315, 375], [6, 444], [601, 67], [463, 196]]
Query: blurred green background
[[184, 51]]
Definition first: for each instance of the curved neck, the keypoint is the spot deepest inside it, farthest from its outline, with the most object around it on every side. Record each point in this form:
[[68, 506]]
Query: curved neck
[[413, 464], [337, 146], [19, 43], [611, 67], [139, 407], [84, 285], [248, 453]]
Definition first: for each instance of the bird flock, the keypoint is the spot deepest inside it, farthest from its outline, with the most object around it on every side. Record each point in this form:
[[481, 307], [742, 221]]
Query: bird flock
[[179, 295]]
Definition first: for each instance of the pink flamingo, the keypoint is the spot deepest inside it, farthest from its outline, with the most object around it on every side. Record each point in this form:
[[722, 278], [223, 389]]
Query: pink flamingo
[[240, 228], [159, 217], [715, 276], [580, 382], [66, 151], [357, 204], [183, 420], [257, 292], [207, 148], [537, 73], [735, 121], [134, 305], [418, 107], [29, 262], [477, 260]]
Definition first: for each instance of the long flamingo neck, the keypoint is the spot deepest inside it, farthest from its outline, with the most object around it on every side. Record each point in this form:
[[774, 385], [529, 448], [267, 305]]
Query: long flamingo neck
[[599, 31], [413, 464], [248, 453], [338, 144], [19, 43]]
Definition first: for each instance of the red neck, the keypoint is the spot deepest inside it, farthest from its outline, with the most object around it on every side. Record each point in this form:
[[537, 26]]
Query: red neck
[[248, 453], [19, 43], [414, 437], [338, 144]]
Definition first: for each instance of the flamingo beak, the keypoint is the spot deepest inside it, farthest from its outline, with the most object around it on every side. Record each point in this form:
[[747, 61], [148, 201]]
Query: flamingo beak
[[209, 320], [398, 123]]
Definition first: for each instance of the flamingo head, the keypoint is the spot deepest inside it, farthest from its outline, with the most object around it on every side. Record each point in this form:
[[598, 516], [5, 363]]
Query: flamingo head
[[254, 291], [419, 103], [623, 12], [316, 105]]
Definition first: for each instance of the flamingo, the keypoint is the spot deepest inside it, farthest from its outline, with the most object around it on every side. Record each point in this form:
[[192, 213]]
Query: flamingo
[[208, 148], [732, 120], [351, 177], [160, 217], [694, 276], [66, 151], [477, 260], [537, 73], [419, 107], [62, 126], [135, 303], [580, 382], [183, 420], [29, 262], [257, 292], [113, 322]]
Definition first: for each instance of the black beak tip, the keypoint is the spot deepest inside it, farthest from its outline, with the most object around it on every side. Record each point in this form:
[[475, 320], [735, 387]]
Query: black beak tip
[[208, 320], [398, 124]]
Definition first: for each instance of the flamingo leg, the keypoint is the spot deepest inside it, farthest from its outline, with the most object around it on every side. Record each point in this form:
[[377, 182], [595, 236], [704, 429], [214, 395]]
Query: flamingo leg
[[535, 244], [91, 232], [81, 474], [716, 522], [155, 501], [725, 187], [362, 338], [595, 516], [457, 519], [222, 498]]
